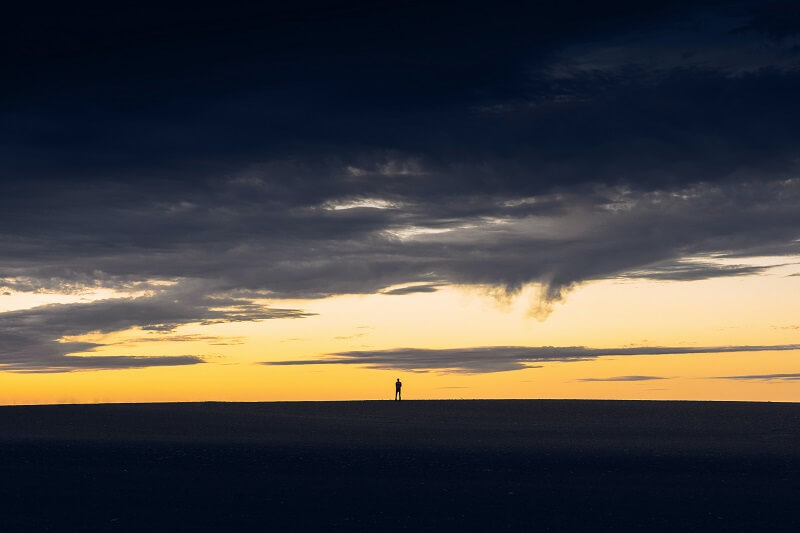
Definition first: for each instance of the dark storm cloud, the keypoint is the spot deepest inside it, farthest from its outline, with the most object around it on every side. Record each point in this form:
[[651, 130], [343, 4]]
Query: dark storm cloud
[[779, 20], [201, 92], [308, 149], [504, 358]]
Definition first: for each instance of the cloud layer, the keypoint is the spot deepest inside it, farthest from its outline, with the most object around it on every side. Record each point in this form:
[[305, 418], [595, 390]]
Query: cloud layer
[[268, 152]]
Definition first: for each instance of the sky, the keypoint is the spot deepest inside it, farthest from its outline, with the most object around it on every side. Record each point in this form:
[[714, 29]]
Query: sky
[[308, 200]]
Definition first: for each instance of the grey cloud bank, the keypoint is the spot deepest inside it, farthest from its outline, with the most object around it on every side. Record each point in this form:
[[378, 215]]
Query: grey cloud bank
[[30, 339], [216, 158]]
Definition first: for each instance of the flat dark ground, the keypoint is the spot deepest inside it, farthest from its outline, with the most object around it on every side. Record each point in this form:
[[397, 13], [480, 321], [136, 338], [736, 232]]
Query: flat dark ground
[[401, 466]]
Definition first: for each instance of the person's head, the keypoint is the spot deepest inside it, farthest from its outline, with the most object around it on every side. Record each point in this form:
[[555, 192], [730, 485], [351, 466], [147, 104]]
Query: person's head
[[398, 379]]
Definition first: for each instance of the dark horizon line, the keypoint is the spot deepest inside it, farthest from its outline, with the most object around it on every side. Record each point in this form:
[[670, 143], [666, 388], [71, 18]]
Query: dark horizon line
[[390, 400]]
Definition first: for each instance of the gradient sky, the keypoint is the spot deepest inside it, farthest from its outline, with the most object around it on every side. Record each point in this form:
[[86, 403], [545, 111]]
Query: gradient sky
[[307, 200]]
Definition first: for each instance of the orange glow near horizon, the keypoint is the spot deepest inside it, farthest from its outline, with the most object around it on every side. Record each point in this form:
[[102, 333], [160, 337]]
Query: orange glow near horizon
[[752, 310]]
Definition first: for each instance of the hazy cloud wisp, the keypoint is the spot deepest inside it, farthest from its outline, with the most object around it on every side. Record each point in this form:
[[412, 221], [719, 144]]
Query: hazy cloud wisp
[[504, 358]]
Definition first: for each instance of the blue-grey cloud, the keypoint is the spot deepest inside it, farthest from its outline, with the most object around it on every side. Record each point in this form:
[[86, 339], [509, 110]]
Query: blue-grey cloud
[[225, 239], [32, 340], [73, 363], [504, 358], [412, 289]]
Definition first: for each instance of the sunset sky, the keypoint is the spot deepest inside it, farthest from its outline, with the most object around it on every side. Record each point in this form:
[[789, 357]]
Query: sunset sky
[[308, 200]]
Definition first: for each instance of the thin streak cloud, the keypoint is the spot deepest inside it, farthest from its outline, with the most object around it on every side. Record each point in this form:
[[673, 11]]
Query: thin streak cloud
[[764, 377], [31, 365], [624, 378], [504, 358]]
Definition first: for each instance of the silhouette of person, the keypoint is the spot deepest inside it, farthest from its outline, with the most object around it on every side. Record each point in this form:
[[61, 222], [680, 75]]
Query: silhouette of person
[[397, 386]]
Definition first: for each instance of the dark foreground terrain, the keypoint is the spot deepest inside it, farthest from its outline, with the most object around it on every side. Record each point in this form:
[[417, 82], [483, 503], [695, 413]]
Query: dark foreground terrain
[[401, 466]]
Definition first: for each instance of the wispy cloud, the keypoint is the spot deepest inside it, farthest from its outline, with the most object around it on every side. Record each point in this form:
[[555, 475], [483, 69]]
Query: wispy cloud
[[695, 270], [213, 340], [624, 378], [504, 358], [348, 337], [764, 377]]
